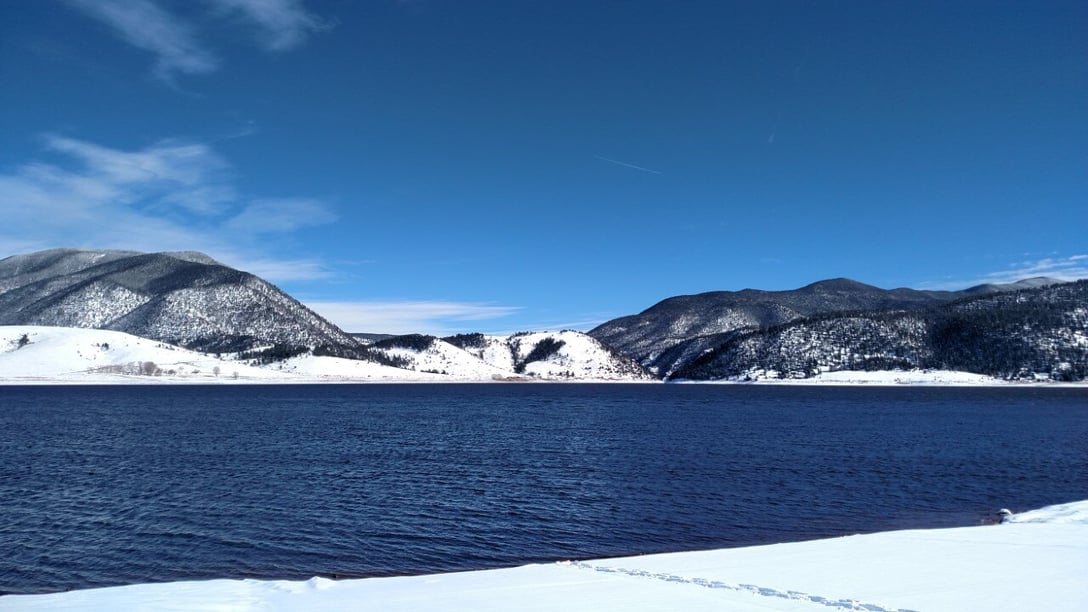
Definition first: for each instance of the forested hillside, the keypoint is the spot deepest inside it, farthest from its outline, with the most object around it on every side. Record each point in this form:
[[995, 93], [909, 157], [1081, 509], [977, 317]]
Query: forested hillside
[[1017, 334]]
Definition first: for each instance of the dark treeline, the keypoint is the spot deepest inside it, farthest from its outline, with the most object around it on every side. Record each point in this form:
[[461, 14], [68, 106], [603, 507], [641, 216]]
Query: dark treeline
[[1009, 335]]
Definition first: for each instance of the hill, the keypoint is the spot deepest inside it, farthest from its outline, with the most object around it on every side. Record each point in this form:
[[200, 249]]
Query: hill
[[35, 354], [565, 355], [185, 299], [1022, 334], [672, 333]]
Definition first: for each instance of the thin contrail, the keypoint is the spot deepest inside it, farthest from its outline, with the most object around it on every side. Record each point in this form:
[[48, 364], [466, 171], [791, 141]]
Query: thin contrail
[[625, 164]]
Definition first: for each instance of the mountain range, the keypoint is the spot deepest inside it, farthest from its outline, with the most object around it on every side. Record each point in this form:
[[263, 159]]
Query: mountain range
[[1034, 326], [192, 301]]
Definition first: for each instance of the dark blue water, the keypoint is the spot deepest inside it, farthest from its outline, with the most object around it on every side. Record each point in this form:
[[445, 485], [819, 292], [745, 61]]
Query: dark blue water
[[114, 485]]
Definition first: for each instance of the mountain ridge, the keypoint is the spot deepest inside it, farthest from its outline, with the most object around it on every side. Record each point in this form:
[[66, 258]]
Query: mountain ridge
[[190, 300], [665, 335], [1011, 335], [185, 298]]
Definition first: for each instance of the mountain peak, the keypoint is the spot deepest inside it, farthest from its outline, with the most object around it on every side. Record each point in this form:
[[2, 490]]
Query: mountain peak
[[838, 285], [1024, 283], [184, 298], [194, 257]]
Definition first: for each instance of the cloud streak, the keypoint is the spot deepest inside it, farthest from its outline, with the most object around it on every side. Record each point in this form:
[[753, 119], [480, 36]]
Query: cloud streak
[[169, 196], [439, 318], [625, 164], [281, 215], [280, 25], [1068, 268], [146, 25]]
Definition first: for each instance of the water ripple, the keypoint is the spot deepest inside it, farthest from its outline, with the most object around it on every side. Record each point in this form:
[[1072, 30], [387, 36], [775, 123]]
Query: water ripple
[[112, 485]]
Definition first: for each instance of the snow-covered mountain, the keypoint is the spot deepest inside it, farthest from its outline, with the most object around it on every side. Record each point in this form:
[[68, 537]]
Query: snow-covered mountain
[[671, 334], [190, 300], [1025, 334], [564, 355], [186, 299]]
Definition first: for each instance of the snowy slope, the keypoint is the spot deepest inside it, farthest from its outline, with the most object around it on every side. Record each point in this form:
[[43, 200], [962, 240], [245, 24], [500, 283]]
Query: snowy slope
[[1037, 561], [59, 354], [492, 350], [75, 355], [432, 355], [1011, 331], [570, 354], [331, 369], [565, 355], [68, 354], [187, 299]]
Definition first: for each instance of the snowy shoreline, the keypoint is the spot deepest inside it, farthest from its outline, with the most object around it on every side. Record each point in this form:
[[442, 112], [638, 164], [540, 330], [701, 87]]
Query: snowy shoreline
[[856, 379], [37, 355], [1035, 561], [932, 379]]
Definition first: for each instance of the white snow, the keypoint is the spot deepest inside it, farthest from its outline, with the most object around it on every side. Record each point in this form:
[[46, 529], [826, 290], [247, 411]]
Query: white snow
[[945, 378], [69, 355], [580, 356], [326, 368], [444, 358], [59, 355], [76, 355], [495, 352], [904, 377], [1037, 561]]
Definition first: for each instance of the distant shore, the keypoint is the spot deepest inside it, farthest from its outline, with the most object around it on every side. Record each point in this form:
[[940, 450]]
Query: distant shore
[[829, 379]]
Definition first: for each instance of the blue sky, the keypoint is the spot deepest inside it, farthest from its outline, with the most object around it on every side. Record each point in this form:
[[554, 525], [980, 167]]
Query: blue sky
[[442, 166]]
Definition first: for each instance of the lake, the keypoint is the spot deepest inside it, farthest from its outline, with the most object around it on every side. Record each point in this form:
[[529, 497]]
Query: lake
[[109, 485]]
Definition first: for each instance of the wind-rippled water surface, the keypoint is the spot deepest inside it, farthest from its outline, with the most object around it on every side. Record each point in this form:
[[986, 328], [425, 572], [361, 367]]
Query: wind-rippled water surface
[[115, 485]]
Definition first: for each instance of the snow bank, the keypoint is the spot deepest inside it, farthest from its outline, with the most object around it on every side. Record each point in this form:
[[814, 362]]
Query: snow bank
[[31, 354], [906, 377], [328, 369], [1072, 513], [1037, 561], [940, 378]]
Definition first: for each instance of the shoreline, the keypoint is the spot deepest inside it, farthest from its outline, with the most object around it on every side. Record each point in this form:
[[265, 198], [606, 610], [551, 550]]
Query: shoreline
[[1036, 560], [96, 379], [78, 356]]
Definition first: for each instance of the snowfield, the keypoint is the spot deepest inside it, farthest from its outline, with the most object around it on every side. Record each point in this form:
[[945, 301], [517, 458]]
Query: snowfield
[[886, 377], [31, 354], [331, 369], [68, 355], [443, 358], [1036, 561]]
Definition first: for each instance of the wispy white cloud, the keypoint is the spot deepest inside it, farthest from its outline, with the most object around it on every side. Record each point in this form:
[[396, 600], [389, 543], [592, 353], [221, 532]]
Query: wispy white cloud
[[281, 270], [439, 318], [1067, 268], [146, 25], [281, 215], [170, 196], [283, 24], [190, 175], [625, 164]]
